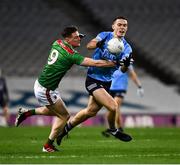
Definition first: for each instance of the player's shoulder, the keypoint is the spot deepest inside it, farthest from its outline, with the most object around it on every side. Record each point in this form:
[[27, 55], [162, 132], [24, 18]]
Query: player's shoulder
[[61, 45], [105, 33], [102, 35]]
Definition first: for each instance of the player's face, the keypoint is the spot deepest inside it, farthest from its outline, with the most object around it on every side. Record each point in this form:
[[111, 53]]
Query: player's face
[[120, 27], [74, 39]]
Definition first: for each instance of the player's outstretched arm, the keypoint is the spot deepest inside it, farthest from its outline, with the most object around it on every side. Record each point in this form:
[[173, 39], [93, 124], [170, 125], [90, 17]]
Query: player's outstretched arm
[[98, 63]]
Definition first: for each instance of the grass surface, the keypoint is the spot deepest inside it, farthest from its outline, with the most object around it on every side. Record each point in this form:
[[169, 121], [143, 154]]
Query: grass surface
[[87, 145]]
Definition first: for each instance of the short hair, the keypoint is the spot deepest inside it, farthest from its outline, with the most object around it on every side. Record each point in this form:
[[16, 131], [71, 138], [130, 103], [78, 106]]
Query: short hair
[[119, 17], [68, 31]]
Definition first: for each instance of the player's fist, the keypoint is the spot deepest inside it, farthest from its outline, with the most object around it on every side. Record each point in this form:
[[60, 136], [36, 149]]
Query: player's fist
[[126, 61]]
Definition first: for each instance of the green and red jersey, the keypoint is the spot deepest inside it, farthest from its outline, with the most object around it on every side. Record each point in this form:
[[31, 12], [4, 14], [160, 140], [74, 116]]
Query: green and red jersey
[[62, 57]]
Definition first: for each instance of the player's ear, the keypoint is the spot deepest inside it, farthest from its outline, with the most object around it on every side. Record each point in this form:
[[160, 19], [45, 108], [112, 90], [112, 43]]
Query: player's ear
[[67, 39]]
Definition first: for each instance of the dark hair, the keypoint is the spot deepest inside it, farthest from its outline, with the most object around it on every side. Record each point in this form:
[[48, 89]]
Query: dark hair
[[119, 17], [68, 31]]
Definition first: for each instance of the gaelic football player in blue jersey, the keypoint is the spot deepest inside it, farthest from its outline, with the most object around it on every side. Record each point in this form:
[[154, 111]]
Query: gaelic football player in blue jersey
[[98, 80]]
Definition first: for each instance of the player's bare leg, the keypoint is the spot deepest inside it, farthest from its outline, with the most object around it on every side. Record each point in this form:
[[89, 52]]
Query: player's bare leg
[[80, 117], [103, 98], [100, 98], [91, 110], [118, 120], [62, 115], [59, 109]]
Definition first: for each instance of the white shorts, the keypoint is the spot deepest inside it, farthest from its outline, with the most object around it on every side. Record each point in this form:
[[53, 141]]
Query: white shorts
[[45, 96]]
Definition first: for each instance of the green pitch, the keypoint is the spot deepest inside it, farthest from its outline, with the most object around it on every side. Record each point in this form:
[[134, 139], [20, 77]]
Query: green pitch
[[87, 145]]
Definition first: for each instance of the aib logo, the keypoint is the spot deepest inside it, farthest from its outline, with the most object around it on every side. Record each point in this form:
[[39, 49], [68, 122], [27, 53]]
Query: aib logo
[[74, 100]]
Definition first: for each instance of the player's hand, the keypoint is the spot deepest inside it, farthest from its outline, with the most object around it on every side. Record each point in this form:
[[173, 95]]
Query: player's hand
[[140, 92], [101, 43], [126, 61]]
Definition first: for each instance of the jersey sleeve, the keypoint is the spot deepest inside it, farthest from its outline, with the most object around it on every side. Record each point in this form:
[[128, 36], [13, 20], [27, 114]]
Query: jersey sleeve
[[77, 58], [101, 36]]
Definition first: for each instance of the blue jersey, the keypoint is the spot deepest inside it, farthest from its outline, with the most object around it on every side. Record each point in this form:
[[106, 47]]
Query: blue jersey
[[120, 80], [102, 73]]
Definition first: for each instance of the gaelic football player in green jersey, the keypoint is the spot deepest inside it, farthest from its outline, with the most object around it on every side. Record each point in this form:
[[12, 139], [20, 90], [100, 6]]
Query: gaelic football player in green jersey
[[62, 57]]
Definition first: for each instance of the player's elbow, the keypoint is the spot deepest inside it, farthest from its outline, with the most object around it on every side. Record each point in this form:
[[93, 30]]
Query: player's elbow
[[91, 45]]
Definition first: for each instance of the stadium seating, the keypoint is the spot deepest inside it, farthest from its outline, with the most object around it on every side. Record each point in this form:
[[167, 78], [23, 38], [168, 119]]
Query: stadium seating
[[153, 30], [27, 28]]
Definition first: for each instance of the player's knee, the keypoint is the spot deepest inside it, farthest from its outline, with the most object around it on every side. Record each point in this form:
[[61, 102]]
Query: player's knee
[[112, 107]]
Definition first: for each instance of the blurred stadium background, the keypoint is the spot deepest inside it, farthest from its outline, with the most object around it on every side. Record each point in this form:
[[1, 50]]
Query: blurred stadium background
[[28, 28]]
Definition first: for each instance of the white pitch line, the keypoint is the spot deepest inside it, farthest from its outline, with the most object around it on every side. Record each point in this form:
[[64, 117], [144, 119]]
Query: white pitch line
[[142, 155], [82, 156], [40, 157]]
